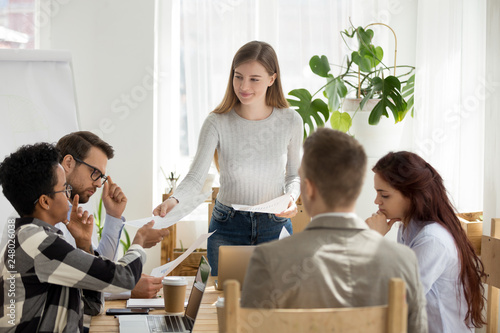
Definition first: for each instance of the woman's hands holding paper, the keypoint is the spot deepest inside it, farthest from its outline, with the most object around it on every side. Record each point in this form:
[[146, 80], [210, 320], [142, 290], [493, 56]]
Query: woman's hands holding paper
[[165, 207], [291, 210]]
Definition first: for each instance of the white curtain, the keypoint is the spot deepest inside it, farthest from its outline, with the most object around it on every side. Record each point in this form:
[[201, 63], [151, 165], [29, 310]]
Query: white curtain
[[451, 88], [198, 39]]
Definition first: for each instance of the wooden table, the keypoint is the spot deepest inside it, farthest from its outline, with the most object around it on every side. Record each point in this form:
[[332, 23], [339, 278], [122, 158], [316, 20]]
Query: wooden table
[[206, 321]]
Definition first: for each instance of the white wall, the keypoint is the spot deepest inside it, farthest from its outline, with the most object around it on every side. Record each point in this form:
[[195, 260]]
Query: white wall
[[112, 43]]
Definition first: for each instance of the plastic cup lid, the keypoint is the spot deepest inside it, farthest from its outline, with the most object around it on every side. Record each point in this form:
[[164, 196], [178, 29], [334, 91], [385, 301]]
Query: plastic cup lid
[[174, 281], [220, 302]]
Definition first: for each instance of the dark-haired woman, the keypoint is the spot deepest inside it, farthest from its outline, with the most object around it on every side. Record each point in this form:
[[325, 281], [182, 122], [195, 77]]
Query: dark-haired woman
[[411, 191]]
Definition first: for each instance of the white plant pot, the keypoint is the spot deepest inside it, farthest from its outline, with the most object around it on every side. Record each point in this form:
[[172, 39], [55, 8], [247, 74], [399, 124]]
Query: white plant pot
[[378, 139]]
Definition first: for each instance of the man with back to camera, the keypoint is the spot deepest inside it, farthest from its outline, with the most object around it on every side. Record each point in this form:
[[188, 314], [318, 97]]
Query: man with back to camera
[[337, 261], [84, 157], [43, 276]]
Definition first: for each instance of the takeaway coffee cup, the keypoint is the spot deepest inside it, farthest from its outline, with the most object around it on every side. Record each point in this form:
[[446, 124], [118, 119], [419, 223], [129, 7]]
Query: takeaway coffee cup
[[174, 293], [220, 314]]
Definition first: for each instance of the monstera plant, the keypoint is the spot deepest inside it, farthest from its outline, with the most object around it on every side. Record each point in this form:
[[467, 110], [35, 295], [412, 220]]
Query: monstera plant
[[364, 76]]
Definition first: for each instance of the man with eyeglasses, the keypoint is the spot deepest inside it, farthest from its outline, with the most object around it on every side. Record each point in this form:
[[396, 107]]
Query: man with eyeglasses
[[42, 276], [84, 157]]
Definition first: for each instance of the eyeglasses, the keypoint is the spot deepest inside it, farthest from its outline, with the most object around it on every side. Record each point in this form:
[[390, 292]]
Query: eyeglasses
[[96, 173], [67, 190]]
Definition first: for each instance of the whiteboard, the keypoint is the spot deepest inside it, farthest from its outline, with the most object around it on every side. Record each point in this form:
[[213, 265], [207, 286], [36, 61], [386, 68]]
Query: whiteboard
[[37, 103]]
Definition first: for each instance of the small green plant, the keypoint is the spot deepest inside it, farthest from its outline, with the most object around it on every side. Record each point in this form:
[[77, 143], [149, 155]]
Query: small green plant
[[171, 179], [99, 223], [364, 76], [125, 243]]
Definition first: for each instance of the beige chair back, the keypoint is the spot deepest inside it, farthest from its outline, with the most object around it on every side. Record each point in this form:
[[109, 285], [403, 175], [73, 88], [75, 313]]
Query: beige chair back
[[389, 318], [490, 255]]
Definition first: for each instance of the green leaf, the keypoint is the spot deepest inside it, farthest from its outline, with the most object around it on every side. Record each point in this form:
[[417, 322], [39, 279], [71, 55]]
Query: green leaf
[[368, 58], [390, 99], [410, 106], [363, 63], [320, 66], [99, 220], [308, 109], [409, 88], [379, 111], [341, 121], [127, 236], [374, 54], [126, 243], [335, 90], [408, 91], [364, 36], [365, 99]]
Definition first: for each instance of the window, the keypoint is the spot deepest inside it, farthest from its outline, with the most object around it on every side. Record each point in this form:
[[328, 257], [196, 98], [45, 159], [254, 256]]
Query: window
[[17, 27]]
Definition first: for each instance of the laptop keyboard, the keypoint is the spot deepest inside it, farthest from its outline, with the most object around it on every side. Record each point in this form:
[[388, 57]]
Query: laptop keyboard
[[165, 324], [188, 323]]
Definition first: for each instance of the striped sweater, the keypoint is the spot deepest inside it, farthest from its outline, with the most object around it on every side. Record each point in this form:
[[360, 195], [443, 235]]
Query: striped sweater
[[44, 277]]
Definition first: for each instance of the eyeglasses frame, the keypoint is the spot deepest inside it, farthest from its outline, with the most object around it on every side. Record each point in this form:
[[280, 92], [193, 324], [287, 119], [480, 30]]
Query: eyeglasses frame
[[102, 176], [68, 188]]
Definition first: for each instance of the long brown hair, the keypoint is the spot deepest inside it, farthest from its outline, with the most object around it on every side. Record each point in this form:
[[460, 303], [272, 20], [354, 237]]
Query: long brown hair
[[418, 181], [264, 54]]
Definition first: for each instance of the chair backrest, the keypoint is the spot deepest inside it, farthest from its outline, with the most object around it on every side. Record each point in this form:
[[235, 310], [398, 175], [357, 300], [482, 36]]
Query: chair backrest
[[490, 252], [473, 228], [386, 318]]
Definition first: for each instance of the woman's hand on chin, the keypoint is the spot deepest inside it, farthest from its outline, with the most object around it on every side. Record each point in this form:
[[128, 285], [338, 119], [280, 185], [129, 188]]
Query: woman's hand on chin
[[378, 222]]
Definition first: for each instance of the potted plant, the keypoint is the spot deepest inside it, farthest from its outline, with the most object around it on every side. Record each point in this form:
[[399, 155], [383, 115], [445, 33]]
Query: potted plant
[[168, 243], [364, 77], [171, 179], [99, 222]]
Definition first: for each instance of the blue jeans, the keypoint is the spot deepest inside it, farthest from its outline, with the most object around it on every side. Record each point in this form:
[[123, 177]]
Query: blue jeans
[[241, 228]]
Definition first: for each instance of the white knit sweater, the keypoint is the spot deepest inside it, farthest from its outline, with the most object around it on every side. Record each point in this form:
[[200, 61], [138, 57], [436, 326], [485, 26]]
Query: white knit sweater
[[258, 159]]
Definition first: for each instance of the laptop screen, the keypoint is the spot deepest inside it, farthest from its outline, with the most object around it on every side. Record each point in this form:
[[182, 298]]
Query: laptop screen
[[200, 282]]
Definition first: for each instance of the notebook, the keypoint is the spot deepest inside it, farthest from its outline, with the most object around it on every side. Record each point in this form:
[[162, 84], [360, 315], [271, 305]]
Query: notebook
[[171, 323], [233, 263]]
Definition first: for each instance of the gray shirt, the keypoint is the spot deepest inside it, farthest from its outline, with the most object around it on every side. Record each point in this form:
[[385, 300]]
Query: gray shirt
[[337, 261], [258, 159]]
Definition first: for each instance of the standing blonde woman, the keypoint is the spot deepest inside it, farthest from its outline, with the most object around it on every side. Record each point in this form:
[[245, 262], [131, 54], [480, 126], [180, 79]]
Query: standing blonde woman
[[256, 139]]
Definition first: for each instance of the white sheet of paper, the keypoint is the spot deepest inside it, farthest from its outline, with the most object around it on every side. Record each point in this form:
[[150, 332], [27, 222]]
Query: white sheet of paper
[[274, 206], [170, 266], [181, 210], [145, 303], [284, 233]]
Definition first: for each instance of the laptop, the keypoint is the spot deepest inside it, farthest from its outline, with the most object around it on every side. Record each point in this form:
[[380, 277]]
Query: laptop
[[233, 263], [171, 323]]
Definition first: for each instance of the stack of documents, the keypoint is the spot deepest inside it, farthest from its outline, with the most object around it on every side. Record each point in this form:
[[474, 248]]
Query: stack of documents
[[156, 303]]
